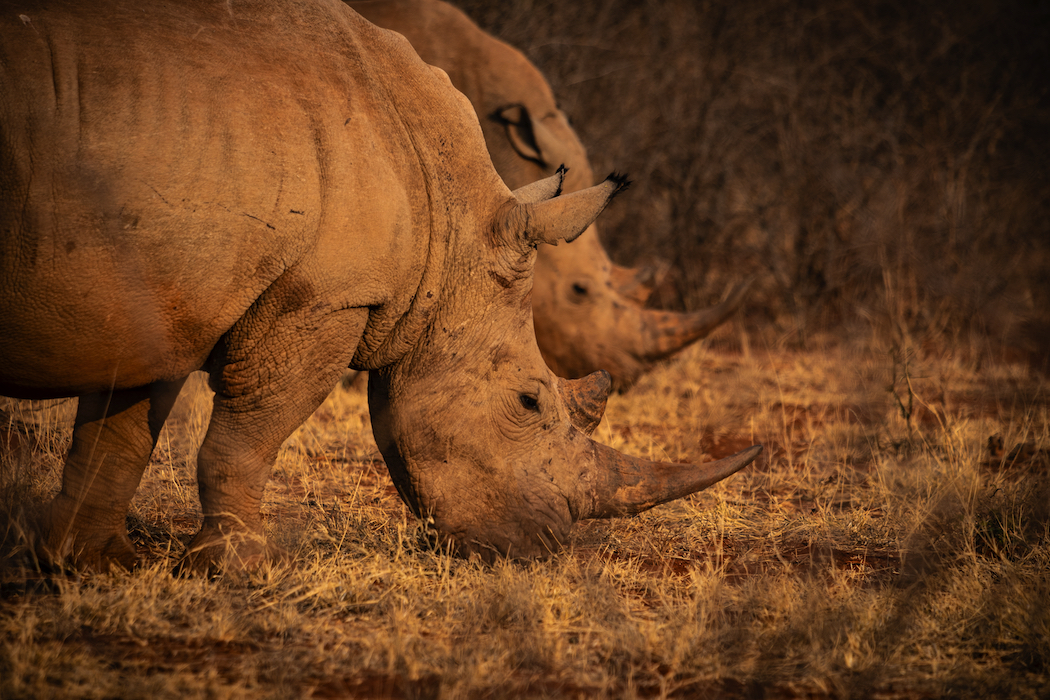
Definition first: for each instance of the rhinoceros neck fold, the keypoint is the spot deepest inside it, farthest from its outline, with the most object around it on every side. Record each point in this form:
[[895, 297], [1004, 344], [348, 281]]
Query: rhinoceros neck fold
[[390, 333]]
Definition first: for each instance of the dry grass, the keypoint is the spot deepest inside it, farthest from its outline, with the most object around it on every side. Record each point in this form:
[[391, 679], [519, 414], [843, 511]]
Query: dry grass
[[867, 554]]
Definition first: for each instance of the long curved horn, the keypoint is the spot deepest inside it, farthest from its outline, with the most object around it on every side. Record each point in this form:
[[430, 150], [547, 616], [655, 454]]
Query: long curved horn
[[618, 484], [585, 399], [666, 332]]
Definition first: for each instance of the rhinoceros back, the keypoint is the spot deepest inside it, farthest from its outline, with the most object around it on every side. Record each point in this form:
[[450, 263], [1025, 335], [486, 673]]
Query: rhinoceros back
[[161, 169]]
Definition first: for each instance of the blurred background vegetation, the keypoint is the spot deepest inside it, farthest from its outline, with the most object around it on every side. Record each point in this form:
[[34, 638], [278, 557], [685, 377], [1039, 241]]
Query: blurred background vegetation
[[881, 167]]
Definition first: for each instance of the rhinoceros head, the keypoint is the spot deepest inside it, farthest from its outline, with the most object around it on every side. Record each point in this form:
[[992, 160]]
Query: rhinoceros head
[[585, 319], [480, 436]]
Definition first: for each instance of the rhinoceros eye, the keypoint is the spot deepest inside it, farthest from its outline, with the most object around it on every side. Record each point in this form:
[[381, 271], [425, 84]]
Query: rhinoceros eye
[[579, 288], [531, 403]]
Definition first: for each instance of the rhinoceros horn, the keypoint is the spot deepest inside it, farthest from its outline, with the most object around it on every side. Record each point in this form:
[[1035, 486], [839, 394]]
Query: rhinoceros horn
[[585, 399], [621, 485], [666, 332], [542, 190]]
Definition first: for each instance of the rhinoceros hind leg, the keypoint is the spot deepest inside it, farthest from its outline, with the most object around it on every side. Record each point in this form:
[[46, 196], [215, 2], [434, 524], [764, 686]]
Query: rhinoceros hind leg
[[113, 437]]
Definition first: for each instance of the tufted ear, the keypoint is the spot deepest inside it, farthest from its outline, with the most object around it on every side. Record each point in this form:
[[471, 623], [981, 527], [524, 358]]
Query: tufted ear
[[561, 218], [541, 190]]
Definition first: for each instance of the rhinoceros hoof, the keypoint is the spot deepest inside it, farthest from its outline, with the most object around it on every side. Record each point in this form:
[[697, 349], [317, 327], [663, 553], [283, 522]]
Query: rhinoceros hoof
[[212, 553], [64, 538], [83, 552], [116, 552]]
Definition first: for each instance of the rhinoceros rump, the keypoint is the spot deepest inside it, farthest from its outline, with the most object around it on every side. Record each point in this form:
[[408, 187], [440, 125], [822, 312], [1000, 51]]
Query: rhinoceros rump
[[272, 192], [586, 308]]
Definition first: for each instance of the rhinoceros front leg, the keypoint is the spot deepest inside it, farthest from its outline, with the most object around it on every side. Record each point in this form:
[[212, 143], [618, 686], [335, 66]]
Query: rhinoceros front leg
[[265, 388], [113, 437]]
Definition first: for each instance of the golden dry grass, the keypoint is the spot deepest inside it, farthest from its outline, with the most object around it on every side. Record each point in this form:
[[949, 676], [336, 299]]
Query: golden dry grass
[[866, 554]]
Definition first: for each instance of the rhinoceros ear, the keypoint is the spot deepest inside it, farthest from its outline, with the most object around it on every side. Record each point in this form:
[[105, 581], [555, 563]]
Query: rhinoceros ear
[[542, 190], [529, 138], [561, 218]]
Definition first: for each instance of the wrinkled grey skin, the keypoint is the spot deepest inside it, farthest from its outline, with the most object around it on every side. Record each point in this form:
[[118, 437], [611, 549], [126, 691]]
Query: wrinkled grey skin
[[588, 312], [272, 192]]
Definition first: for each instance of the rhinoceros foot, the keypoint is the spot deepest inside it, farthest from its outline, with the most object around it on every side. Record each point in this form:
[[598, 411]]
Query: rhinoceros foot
[[219, 550], [63, 534]]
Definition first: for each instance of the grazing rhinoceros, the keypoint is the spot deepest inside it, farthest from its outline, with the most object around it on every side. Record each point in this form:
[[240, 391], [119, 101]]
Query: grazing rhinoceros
[[274, 191], [585, 316]]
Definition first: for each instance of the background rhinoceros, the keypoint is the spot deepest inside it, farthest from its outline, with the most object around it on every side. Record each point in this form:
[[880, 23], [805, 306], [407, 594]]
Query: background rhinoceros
[[587, 310], [272, 192]]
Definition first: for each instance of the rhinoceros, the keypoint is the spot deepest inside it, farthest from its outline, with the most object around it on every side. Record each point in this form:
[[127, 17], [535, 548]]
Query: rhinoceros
[[272, 192], [586, 309]]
